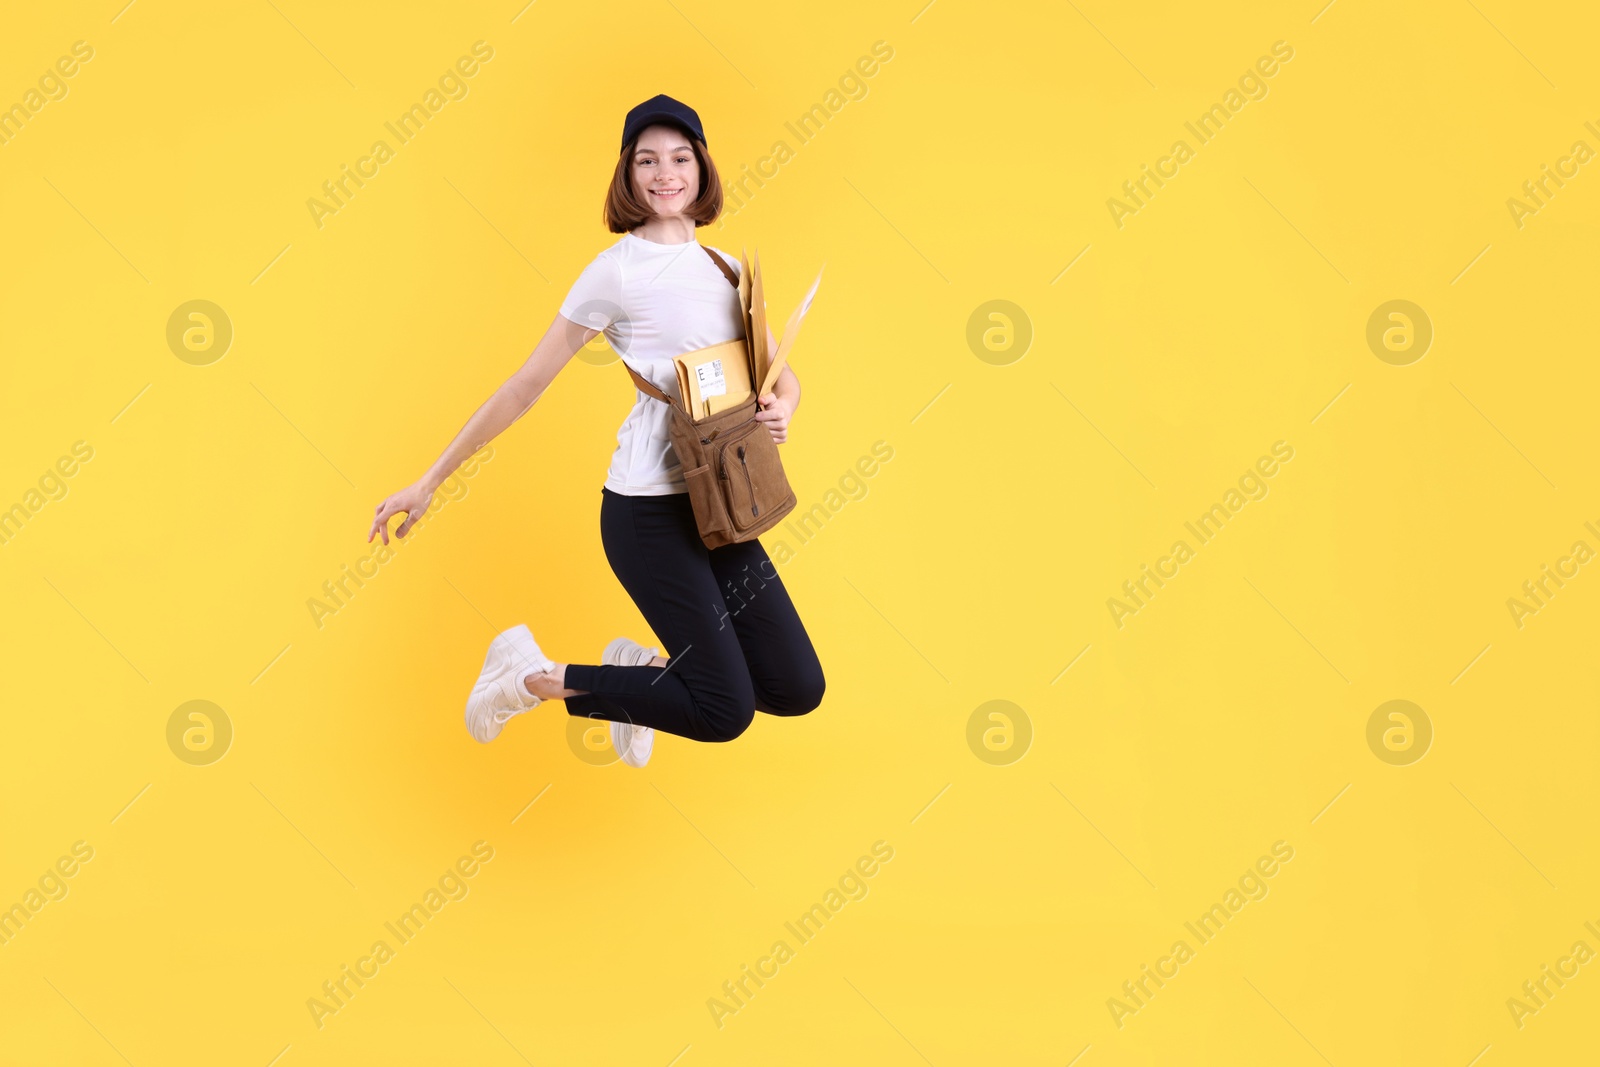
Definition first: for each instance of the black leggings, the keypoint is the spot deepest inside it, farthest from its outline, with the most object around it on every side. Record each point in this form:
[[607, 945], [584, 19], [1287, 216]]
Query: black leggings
[[735, 643]]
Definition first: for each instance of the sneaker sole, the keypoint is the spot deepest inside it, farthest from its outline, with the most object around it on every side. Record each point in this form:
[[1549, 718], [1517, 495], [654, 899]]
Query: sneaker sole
[[510, 652]]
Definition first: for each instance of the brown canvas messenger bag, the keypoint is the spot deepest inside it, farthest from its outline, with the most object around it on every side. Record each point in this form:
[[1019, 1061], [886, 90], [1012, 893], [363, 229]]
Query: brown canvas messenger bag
[[736, 482]]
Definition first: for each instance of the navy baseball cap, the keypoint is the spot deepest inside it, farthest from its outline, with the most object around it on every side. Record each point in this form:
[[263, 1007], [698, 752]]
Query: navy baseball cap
[[661, 109]]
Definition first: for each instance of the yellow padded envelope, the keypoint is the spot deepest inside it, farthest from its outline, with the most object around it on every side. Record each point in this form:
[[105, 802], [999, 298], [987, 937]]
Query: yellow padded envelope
[[722, 376], [765, 364], [713, 379]]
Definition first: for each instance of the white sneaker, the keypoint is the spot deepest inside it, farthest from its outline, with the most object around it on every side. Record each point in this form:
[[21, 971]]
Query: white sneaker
[[499, 693], [633, 743]]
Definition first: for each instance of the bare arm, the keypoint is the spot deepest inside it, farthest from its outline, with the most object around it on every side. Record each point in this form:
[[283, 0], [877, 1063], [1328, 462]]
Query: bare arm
[[508, 404]]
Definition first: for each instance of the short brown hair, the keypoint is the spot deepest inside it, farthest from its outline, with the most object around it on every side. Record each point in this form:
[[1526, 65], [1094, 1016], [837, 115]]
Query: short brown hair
[[624, 212]]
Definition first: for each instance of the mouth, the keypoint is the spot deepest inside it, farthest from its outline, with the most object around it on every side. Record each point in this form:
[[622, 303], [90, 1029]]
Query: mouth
[[665, 194]]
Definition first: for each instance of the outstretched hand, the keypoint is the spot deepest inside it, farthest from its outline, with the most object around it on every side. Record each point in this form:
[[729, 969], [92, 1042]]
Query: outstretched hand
[[413, 501], [775, 412]]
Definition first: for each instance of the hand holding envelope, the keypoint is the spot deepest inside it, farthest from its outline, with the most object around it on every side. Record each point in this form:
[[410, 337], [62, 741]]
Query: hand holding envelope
[[723, 376]]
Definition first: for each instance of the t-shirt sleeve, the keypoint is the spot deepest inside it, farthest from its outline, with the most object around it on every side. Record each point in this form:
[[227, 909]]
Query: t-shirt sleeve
[[595, 299]]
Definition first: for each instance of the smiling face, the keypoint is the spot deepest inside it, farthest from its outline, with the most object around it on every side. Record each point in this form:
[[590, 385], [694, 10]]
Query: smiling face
[[666, 174]]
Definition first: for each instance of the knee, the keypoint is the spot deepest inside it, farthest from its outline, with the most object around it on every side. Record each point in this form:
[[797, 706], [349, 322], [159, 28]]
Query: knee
[[801, 694], [727, 716], [726, 724], [808, 697]]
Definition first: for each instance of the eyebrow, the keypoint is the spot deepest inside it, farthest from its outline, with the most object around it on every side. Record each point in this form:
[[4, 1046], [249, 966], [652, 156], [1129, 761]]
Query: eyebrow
[[652, 151]]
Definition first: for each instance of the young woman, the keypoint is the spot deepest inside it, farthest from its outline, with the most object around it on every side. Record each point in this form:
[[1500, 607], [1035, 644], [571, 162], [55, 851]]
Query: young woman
[[737, 645]]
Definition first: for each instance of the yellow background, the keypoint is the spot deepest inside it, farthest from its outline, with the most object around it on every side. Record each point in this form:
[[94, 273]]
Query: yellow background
[[1228, 314]]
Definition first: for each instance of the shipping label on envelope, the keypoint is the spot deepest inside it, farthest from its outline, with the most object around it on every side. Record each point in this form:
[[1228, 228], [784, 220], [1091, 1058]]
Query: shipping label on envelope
[[712, 381]]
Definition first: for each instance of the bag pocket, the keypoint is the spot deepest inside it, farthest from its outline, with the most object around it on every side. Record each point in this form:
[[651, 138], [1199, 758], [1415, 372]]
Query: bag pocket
[[752, 475], [706, 497]]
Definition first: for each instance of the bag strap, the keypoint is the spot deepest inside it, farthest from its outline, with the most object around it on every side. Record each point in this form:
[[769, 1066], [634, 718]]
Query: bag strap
[[648, 389], [727, 272], [638, 379]]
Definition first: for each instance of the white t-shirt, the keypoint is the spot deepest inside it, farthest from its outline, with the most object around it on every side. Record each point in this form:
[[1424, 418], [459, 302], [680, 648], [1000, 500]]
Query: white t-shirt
[[653, 302]]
